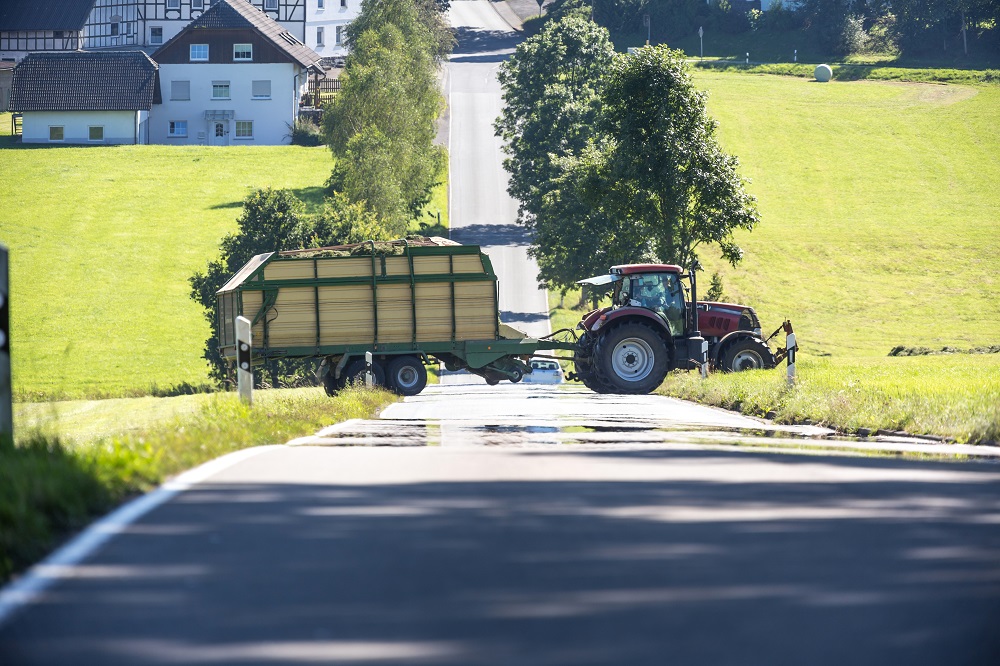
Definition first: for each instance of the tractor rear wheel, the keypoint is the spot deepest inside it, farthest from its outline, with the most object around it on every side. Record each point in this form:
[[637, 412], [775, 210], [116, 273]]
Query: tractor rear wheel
[[406, 375], [747, 354], [333, 385], [631, 358]]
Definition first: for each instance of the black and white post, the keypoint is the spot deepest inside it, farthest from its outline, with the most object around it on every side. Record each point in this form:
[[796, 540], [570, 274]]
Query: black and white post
[[369, 375], [244, 370], [6, 410], [790, 346]]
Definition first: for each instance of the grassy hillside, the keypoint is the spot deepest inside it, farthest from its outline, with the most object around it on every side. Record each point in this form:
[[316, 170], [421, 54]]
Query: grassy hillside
[[102, 242], [879, 209]]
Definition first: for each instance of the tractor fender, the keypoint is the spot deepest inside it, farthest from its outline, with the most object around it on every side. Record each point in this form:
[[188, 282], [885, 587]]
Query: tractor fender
[[619, 315], [720, 347]]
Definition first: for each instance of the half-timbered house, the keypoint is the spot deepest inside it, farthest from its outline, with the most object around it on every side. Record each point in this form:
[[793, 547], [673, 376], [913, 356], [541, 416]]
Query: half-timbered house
[[32, 26], [232, 76]]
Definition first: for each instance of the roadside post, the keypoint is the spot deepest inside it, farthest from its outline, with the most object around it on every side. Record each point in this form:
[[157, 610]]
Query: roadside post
[[795, 55], [646, 22], [369, 376], [701, 40], [244, 371], [790, 346], [6, 410]]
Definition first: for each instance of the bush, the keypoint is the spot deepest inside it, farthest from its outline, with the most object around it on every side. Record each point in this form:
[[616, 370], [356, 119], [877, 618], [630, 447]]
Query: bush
[[306, 133], [853, 38]]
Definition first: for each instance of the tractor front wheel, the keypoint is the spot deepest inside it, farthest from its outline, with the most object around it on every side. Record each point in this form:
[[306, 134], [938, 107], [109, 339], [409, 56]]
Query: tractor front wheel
[[747, 354]]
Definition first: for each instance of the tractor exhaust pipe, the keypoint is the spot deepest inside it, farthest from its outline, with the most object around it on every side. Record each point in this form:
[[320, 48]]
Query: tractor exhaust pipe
[[697, 345]]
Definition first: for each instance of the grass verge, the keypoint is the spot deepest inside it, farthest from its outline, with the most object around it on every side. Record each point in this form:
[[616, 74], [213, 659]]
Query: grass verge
[[949, 396], [856, 72], [50, 488]]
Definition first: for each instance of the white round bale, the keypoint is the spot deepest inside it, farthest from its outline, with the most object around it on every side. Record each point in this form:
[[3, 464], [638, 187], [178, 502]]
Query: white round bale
[[823, 73]]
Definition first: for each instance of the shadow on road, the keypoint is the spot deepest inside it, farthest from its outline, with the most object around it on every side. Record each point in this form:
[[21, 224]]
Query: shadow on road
[[556, 573], [491, 234], [477, 40], [509, 316]]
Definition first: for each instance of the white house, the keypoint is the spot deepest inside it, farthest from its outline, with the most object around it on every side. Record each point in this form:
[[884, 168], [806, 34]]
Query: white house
[[233, 76], [32, 26], [84, 98]]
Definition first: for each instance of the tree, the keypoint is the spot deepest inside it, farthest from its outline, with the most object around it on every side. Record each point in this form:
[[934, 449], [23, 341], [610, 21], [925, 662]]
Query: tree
[[381, 126], [272, 221], [551, 91], [662, 169]]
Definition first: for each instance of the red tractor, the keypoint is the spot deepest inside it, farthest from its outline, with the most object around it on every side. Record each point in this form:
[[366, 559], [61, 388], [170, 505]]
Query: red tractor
[[650, 328]]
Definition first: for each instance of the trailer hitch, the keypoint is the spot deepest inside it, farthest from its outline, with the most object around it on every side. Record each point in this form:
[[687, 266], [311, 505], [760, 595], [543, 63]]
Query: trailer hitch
[[782, 352]]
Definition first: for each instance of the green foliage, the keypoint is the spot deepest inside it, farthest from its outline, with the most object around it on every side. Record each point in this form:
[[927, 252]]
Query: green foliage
[[48, 489], [715, 290], [343, 221], [381, 126], [306, 133]]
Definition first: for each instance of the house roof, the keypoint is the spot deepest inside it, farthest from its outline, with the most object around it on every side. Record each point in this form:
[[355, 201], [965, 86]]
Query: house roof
[[241, 15], [18, 15], [98, 81]]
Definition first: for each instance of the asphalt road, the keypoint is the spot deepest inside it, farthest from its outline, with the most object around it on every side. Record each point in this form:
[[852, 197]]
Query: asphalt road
[[540, 525]]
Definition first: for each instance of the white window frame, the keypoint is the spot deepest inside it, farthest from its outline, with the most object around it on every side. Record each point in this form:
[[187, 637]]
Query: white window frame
[[90, 133], [175, 125], [152, 39], [242, 48], [320, 4], [319, 36], [62, 131], [343, 4], [220, 84], [192, 57], [173, 4], [340, 35], [270, 5], [253, 85], [236, 130]]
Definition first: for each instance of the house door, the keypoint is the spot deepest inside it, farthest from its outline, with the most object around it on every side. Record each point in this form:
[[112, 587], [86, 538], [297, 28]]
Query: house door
[[220, 134]]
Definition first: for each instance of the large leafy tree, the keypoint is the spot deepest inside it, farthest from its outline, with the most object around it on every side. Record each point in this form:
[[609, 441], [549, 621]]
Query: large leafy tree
[[662, 169], [551, 91]]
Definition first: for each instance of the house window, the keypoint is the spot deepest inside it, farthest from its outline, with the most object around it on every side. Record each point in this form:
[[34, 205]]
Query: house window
[[220, 89], [244, 129], [197, 4], [319, 36], [242, 52], [56, 132], [96, 133], [340, 34], [271, 5], [178, 128], [320, 4], [58, 34], [180, 90], [156, 35], [173, 4], [115, 25], [262, 90], [199, 52], [343, 3]]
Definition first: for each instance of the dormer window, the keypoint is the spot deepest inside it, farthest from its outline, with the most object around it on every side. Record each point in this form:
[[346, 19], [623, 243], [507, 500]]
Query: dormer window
[[199, 52], [242, 52]]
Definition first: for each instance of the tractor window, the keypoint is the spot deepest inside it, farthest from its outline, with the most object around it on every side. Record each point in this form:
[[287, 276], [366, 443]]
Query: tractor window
[[662, 292]]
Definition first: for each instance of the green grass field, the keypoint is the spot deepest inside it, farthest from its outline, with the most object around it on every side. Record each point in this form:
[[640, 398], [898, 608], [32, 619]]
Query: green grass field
[[880, 218], [103, 240]]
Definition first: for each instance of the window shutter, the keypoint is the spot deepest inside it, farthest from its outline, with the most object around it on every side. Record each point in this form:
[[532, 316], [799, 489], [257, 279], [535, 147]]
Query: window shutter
[[180, 90], [262, 88]]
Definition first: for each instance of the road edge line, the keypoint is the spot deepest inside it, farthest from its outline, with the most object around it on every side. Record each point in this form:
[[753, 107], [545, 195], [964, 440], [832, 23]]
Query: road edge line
[[59, 565]]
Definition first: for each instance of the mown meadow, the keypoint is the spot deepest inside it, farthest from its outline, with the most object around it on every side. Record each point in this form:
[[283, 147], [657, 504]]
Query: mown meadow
[[880, 217]]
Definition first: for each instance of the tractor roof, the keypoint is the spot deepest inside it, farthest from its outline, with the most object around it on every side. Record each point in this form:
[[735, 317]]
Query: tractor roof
[[629, 269]]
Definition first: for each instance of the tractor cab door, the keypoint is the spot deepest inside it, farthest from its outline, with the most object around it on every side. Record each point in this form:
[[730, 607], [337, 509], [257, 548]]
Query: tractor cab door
[[662, 293]]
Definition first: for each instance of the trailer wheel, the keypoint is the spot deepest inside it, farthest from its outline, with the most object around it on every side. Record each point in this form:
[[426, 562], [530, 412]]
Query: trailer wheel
[[631, 358], [747, 354], [406, 375], [354, 373], [332, 385]]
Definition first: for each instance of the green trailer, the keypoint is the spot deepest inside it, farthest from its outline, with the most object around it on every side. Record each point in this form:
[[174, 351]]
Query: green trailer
[[405, 301]]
